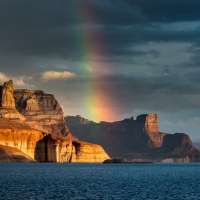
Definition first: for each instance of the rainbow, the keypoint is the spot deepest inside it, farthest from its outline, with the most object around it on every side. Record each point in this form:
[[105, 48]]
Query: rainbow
[[96, 104]]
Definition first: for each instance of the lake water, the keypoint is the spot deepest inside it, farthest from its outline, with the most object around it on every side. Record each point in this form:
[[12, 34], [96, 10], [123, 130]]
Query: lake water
[[99, 181]]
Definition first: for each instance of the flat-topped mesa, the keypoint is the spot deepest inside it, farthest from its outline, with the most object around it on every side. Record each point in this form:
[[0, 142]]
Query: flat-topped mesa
[[137, 140], [177, 140], [6, 95], [77, 120], [149, 122], [30, 101], [120, 136]]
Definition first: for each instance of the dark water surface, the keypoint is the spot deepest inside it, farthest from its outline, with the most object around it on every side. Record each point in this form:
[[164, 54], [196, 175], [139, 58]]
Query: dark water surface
[[99, 181]]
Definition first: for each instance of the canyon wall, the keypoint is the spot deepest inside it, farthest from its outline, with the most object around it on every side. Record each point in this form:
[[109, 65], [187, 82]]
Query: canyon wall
[[135, 140], [42, 111], [32, 122], [7, 102], [47, 147], [141, 133], [10, 154], [6, 94]]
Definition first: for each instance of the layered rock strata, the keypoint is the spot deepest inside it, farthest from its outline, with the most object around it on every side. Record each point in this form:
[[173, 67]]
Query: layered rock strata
[[7, 102], [84, 152], [6, 94], [10, 154], [42, 111], [47, 147], [19, 135], [141, 133], [32, 122], [136, 140]]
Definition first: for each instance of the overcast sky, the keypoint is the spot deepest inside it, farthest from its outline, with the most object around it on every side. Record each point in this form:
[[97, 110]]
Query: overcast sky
[[136, 56]]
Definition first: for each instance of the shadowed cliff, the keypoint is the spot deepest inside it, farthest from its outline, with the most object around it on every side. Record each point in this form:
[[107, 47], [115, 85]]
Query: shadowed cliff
[[136, 140]]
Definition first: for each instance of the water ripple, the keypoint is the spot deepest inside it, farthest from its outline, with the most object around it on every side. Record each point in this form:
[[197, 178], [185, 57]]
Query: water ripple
[[99, 181]]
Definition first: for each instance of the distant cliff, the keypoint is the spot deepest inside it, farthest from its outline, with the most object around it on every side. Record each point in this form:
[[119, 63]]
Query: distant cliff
[[32, 122], [136, 140]]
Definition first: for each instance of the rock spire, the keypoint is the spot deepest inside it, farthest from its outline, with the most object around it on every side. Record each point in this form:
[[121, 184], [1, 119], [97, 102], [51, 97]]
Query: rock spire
[[6, 95]]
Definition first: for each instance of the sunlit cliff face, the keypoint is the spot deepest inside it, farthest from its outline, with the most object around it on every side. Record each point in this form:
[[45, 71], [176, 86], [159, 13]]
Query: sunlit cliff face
[[32, 123]]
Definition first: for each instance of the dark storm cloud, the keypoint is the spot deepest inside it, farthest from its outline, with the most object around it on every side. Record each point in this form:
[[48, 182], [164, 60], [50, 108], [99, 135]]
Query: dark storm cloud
[[169, 11], [56, 28], [167, 93], [43, 28]]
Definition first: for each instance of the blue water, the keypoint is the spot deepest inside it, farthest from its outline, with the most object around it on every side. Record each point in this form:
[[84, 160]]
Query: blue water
[[99, 181]]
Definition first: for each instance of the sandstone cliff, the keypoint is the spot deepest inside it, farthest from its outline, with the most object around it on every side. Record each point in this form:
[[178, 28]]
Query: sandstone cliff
[[6, 92], [41, 111], [10, 154], [47, 147], [7, 102], [84, 152], [129, 133], [32, 122], [19, 135], [136, 140]]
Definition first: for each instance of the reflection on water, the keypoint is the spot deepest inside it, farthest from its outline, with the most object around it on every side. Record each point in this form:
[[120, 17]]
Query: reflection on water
[[99, 181]]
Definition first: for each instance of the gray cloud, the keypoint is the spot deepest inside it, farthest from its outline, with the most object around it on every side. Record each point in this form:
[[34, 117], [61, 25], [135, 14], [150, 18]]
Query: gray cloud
[[57, 28], [169, 11], [166, 93]]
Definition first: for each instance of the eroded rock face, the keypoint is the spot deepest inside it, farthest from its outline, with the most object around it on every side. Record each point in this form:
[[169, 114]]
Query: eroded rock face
[[41, 111], [54, 148], [149, 122], [177, 140], [34, 107], [137, 140], [78, 120], [118, 136], [19, 135], [47, 147], [10, 154], [34, 124], [6, 95], [7, 102], [84, 152]]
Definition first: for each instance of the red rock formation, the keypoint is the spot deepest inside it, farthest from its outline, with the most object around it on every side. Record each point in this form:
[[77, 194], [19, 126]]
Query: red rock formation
[[149, 122], [136, 140], [177, 140], [7, 102], [19, 135], [6, 95], [126, 134], [9, 154], [41, 111], [47, 147], [84, 152], [37, 127]]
